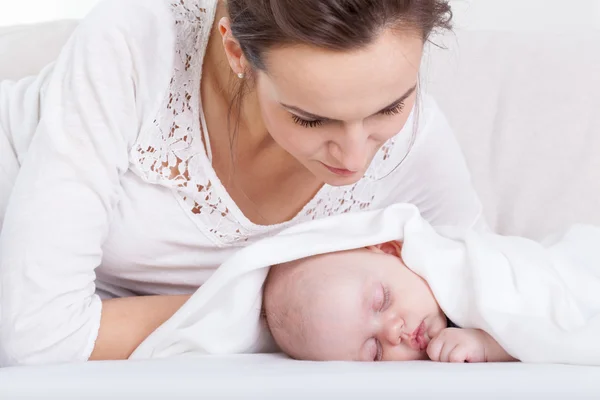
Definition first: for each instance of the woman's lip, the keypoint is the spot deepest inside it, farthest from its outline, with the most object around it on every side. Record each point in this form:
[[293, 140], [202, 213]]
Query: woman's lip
[[339, 171]]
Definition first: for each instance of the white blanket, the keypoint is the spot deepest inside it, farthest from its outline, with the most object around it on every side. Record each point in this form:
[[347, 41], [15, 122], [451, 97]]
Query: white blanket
[[541, 302]]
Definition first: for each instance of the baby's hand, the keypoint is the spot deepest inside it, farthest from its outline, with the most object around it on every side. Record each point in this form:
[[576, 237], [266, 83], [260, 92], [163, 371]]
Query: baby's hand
[[458, 345]]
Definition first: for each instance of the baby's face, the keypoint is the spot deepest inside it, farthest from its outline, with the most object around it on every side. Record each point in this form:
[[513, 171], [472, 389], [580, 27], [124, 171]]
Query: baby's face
[[366, 306]]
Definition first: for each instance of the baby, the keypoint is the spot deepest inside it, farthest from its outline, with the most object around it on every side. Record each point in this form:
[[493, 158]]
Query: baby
[[365, 305]]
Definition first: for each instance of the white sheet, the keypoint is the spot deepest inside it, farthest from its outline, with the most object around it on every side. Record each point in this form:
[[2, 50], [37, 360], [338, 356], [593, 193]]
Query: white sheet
[[276, 377], [542, 304]]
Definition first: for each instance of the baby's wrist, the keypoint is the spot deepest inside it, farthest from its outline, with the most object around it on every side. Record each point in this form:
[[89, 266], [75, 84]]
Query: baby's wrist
[[494, 352]]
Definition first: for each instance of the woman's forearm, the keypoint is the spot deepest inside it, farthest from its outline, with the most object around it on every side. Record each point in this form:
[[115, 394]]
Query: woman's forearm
[[127, 322]]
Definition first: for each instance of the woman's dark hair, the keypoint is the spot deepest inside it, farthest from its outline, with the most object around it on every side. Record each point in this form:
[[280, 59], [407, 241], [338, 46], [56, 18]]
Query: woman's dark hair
[[338, 25], [342, 25]]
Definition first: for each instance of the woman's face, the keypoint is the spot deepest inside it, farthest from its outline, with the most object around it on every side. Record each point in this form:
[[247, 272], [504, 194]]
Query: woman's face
[[333, 111]]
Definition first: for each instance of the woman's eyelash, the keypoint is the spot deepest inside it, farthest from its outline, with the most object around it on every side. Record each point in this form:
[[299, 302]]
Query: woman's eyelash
[[397, 109], [306, 123]]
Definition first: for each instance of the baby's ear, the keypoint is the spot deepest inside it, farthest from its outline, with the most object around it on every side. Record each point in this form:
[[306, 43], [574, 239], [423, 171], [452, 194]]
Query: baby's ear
[[392, 248]]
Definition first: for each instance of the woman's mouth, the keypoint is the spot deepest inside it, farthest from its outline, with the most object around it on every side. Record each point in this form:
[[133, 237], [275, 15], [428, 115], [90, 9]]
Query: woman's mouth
[[340, 171]]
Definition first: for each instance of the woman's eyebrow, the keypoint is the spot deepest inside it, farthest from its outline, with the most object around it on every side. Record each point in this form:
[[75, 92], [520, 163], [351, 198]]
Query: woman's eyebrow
[[308, 115], [400, 100]]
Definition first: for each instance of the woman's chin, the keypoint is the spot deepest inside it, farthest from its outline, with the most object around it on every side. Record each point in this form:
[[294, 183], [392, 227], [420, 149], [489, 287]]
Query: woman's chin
[[334, 179], [338, 182]]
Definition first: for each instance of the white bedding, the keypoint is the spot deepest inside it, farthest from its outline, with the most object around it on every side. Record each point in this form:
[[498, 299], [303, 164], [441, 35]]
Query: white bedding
[[540, 302], [276, 377]]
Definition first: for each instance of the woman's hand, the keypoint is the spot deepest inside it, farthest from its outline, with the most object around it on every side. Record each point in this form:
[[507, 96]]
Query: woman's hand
[[457, 345]]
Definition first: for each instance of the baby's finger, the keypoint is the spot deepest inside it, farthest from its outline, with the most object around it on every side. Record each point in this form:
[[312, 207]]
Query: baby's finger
[[434, 349], [458, 355], [447, 349]]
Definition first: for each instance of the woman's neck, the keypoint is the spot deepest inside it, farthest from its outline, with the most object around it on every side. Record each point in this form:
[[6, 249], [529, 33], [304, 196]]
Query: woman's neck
[[224, 87]]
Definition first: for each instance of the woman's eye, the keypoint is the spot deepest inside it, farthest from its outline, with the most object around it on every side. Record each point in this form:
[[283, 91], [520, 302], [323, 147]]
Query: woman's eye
[[397, 109], [306, 123]]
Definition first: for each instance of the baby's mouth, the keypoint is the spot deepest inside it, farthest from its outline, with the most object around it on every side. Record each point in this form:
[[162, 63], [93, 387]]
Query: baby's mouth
[[418, 341]]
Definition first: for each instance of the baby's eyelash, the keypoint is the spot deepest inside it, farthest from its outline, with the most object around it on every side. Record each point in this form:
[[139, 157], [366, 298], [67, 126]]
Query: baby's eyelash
[[306, 123], [386, 299], [397, 109], [379, 355]]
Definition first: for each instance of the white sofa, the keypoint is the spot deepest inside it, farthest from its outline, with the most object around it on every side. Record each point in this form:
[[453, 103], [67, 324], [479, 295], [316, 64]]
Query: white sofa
[[526, 109]]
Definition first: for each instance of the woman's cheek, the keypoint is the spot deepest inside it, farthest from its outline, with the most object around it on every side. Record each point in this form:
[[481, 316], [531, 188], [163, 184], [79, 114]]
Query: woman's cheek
[[269, 115], [299, 141]]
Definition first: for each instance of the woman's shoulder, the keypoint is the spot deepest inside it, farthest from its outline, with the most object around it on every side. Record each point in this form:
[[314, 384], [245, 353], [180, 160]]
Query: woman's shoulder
[[153, 31], [133, 14], [174, 129], [158, 45]]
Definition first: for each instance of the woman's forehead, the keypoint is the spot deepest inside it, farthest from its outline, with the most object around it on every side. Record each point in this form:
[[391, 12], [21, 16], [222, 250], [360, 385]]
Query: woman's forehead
[[340, 83]]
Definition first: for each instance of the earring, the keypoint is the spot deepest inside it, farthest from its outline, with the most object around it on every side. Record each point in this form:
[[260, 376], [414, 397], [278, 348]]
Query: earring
[[241, 75]]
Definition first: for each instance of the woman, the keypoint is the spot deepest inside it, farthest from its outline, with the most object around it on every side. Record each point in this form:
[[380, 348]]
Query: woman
[[169, 134]]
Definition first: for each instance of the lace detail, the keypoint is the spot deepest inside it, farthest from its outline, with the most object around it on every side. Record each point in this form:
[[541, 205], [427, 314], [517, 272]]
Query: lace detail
[[172, 154]]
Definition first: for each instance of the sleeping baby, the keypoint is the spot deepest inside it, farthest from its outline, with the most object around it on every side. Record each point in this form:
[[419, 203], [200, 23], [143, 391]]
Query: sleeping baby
[[365, 305]]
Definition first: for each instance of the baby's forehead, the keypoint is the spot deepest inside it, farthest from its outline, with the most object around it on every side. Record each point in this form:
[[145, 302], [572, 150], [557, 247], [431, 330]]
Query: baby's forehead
[[310, 278], [344, 260], [323, 274], [315, 271]]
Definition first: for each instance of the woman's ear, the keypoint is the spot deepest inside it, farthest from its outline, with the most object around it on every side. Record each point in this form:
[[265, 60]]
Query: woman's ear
[[233, 50], [393, 248]]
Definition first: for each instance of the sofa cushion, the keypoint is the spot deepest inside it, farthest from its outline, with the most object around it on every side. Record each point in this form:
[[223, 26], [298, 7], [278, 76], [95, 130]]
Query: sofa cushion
[[26, 49], [526, 110]]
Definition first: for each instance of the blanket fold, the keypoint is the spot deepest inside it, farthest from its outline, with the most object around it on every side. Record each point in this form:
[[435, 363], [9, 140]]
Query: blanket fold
[[541, 302]]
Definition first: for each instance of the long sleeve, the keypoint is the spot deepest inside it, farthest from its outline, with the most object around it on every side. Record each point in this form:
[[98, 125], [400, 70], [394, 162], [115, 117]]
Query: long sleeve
[[68, 187]]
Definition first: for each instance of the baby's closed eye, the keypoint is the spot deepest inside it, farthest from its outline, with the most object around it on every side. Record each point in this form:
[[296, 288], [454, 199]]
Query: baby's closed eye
[[381, 298]]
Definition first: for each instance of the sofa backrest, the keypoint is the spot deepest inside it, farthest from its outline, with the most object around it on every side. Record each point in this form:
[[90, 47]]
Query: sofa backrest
[[525, 107]]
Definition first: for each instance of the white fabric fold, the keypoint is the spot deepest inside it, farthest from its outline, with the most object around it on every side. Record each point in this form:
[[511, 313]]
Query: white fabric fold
[[541, 302]]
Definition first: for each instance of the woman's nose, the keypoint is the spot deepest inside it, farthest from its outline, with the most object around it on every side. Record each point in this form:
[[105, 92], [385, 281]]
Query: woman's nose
[[353, 148]]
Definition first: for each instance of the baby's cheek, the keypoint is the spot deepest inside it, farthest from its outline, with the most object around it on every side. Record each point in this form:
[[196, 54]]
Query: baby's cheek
[[369, 351], [438, 328], [404, 353]]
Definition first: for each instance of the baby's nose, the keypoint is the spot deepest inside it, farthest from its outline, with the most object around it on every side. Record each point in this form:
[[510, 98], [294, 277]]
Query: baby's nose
[[395, 334]]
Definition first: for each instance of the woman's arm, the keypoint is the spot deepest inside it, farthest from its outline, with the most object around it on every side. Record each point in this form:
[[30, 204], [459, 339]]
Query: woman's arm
[[68, 190], [127, 322]]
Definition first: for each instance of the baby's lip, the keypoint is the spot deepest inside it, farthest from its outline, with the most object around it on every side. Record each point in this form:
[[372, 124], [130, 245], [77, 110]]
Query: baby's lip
[[418, 341]]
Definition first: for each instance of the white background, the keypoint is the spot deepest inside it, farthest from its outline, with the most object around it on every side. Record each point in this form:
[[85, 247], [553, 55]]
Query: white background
[[470, 14]]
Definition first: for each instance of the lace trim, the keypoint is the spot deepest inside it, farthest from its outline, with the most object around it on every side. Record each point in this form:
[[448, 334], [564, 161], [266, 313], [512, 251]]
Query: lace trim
[[171, 154]]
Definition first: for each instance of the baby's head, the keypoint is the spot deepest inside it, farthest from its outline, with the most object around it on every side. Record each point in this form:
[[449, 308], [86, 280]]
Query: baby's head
[[358, 305]]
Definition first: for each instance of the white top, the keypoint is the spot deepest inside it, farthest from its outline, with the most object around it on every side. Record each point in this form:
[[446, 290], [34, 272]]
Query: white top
[[116, 194]]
